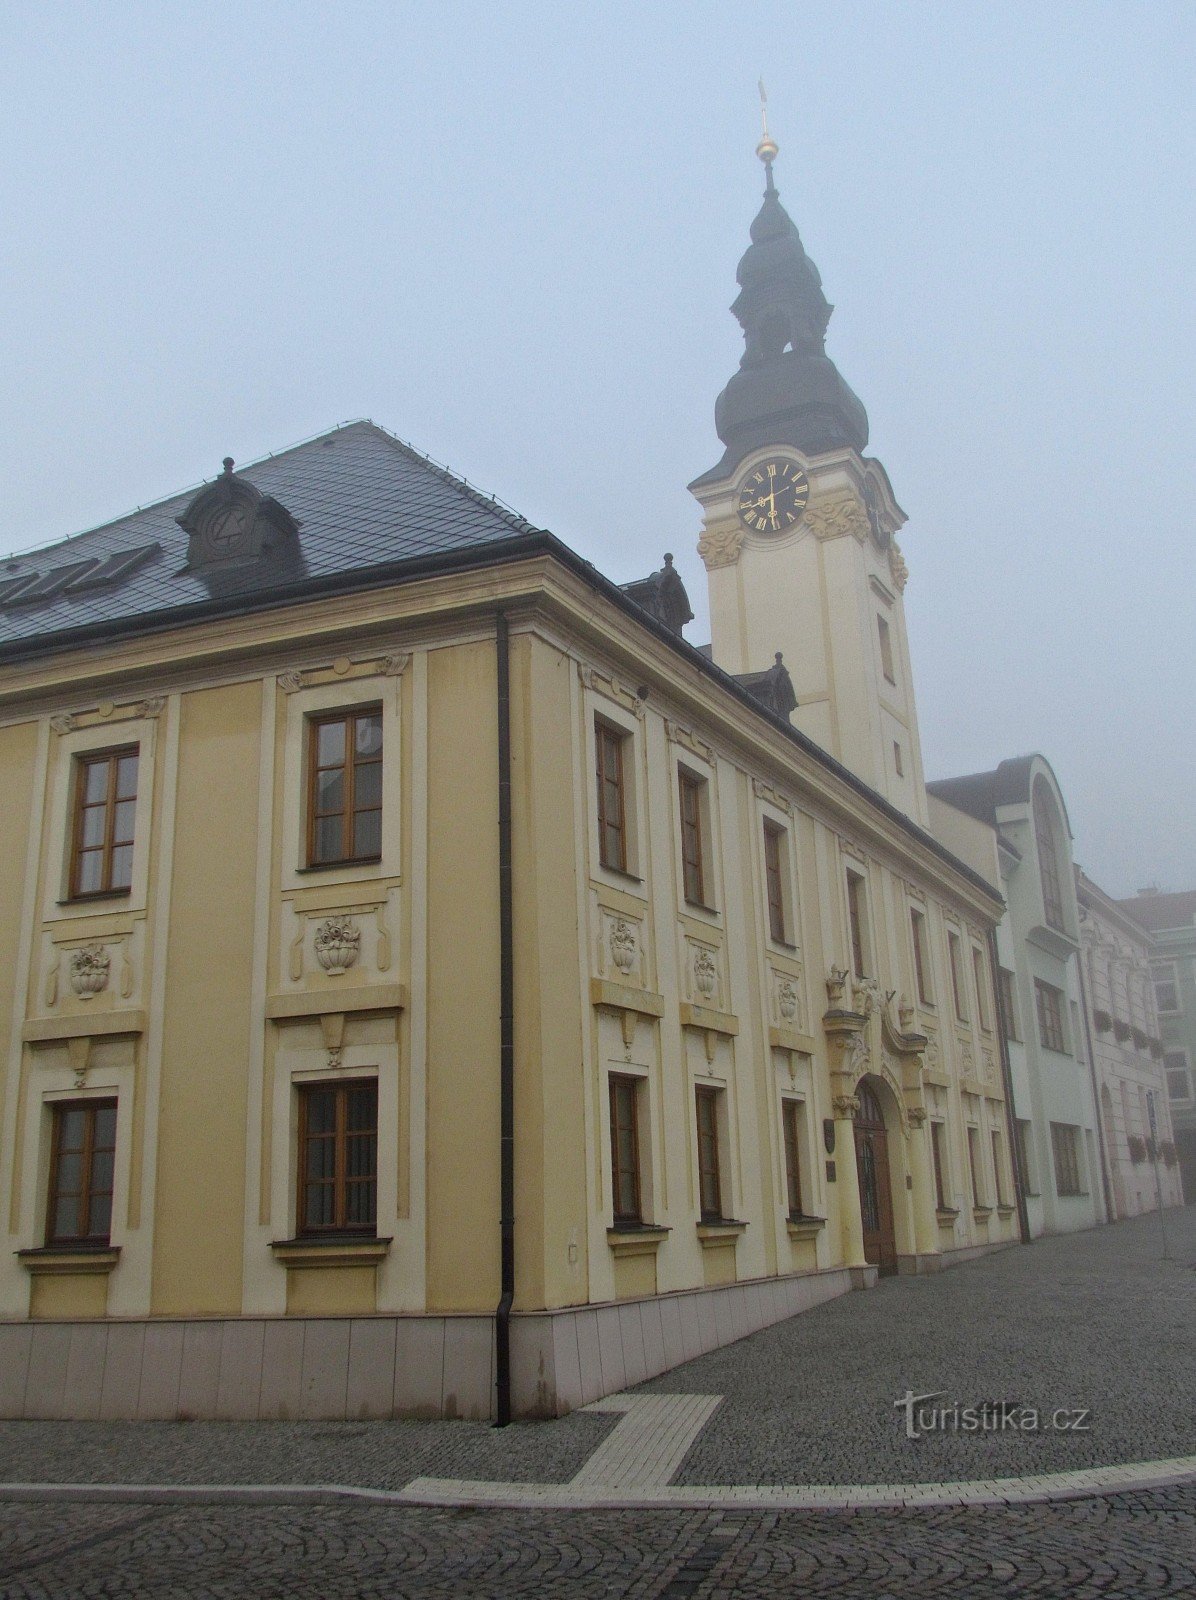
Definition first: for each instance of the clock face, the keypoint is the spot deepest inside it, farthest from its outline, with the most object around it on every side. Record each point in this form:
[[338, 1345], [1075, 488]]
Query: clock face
[[773, 496]]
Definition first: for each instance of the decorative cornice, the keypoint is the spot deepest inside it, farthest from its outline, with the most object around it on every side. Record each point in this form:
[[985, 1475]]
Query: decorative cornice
[[108, 711], [720, 547], [765, 791], [608, 685], [836, 516], [392, 665], [679, 734]]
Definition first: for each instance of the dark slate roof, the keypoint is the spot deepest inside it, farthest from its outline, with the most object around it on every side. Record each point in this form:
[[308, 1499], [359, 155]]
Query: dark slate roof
[[362, 499], [980, 794], [1162, 911]]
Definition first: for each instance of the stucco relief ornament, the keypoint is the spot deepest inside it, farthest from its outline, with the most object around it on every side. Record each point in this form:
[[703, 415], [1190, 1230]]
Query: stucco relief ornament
[[836, 987], [705, 973], [845, 1105], [833, 518], [787, 1000], [898, 570], [622, 946], [721, 549], [916, 1116], [337, 944], [89, 970], [905, 1014]]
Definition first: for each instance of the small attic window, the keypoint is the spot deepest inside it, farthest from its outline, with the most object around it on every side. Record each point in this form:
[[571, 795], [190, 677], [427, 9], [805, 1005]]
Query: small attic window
[[232, 523], [51, 584], [112, 568]]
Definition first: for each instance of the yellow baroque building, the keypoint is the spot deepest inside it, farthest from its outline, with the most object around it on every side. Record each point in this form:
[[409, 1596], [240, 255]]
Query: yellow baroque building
[[432, 986]]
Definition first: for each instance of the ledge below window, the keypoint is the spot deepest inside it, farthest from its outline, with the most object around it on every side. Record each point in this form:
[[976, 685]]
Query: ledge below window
[[946, 1216], [342, 1252], [1005, 1209], [636, 1238], [982, 1213], [720, 1230], [65, 1261], [802, 1227]]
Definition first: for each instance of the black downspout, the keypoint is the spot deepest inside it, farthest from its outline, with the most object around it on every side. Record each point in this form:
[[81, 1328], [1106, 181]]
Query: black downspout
[[502, 1316], [1106, 1185], [1015, 1149]]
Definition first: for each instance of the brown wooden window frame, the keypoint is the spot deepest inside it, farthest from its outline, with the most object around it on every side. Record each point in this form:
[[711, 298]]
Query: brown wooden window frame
[[1021, 1131], [998, 1186], [1066, 1158], [980, 973], [111, 842], [973, 1140], [691, 800], [624, 1092], [885, 635], [710, 1182], [1009, 1005], [791, 1126], [936, 1156], [348, 812], [87, 1193], [1048, 1002], [340, 1226], [955, 962], [775, 838], [610, 741], [917, 928]]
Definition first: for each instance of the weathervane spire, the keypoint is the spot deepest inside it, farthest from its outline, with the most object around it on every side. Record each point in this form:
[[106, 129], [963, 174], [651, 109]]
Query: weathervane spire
[[768, 147]]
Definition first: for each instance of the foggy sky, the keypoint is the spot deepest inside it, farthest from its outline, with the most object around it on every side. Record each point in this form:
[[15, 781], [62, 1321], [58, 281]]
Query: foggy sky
[[509, 234]]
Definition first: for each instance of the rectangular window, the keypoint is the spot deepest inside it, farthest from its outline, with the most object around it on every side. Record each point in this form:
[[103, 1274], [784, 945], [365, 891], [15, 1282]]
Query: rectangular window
[[936, 1150], [1166, 988], [1067, 1166], [791, 1119], [81, 1173], [1179, 1078], [105, 804], [973, 1164], [998, 1186], [917, 923], [1022, 1129], [897, 760], [980, 973], [857, 917], [1009, 1005], [774, 880], [612, 808], [693, 844], [344, 802], [625, 1148], [886, 649], [710, 1193], [338, 1157], [957, 989], [1049, 1001]]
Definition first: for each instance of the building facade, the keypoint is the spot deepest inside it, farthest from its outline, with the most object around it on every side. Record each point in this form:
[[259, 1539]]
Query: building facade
[[1012, 824], [431, 985], [1141, 1158], [1171, 919]]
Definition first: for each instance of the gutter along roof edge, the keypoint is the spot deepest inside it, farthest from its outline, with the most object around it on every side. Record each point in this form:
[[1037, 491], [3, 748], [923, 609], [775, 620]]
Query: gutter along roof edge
[[497, 553]]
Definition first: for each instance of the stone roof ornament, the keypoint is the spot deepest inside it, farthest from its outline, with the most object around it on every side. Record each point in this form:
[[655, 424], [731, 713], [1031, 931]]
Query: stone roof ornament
[[230, 523]]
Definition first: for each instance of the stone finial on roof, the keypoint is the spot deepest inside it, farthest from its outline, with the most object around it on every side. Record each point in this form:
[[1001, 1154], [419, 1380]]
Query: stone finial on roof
[[662, 593], [230, 522]]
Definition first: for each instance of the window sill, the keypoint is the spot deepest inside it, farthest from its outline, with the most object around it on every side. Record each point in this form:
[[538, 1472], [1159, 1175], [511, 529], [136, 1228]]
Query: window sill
[[620, 872], [96, 899], [635, 1238], [700, 905], [339, 866], [56, 1260], [786, 945], [803, 1227], [1005, 1209], [716, 1231], [946, 1215], [982, 1213], [345, 1250]]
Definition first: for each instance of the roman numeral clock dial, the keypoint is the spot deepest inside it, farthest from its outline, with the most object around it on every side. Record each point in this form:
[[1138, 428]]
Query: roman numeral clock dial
[[772, 496]]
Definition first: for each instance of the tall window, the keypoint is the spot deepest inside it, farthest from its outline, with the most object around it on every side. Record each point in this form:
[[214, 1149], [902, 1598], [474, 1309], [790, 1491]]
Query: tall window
[[980, 973], [1179, 1078], [710, 1191], [1048, 861], [338, 1157], [774, 880], [612, 809], [973, 1164], [1021, 1128], [1009, 1004], [1049, 1001], [936, 1150], [857, 919], [957, 989], [81, 1173], [998, 1186], [1166, 989], [625, 1148], [917, 922], [886, 649], [692, 842], [105, 803], [791, 1122], [1067, 1164], [345, 788]]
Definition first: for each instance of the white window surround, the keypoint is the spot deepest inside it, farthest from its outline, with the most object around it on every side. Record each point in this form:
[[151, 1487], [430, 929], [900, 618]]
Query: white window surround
[[1166, 973], [684, 759], [643, 1131], [1177, 1061], [805, 1155], [790, 898], [66, 748], [854, 866], [348, 694], [600, 708]]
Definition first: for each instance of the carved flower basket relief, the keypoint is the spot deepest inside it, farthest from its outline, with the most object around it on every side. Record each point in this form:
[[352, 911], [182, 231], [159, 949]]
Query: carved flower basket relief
[[705, 974], [787, 1000], [622, 946], [89, 970], [337, 944]]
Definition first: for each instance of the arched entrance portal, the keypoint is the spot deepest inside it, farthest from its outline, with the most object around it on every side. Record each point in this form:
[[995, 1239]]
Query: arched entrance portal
[[876, 1191]]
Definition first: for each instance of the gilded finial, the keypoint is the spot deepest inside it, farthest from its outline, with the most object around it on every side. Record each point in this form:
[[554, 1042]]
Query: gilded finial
[[768, 147]]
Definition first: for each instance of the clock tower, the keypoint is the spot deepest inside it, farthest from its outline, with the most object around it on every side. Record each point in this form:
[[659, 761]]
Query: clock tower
[[799, 524]]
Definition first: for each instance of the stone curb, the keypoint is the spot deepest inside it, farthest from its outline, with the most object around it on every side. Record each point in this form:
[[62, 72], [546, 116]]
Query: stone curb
[[450, 1492]]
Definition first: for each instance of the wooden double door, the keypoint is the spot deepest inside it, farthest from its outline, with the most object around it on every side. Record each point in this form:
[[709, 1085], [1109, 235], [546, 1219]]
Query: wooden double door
[[876, 1189]]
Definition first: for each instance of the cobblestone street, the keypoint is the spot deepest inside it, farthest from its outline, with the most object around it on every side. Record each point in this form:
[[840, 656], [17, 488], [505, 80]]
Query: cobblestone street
[[1097, 1320]]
